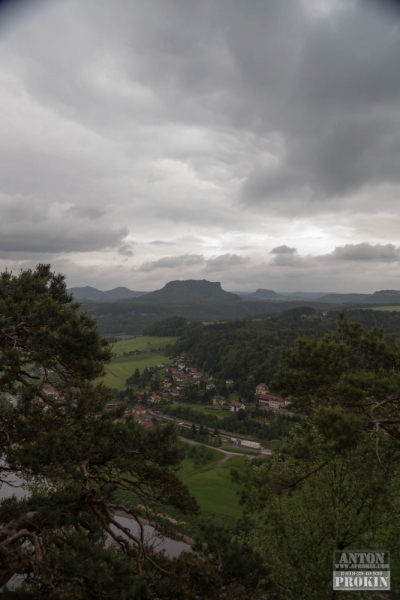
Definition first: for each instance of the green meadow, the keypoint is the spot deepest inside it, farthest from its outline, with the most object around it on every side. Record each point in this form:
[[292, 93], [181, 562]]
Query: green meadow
[[142, 343], [213, 488], [122, 367]]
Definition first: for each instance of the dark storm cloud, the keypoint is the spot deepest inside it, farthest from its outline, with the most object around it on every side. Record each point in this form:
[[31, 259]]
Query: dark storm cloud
[[339, 119]]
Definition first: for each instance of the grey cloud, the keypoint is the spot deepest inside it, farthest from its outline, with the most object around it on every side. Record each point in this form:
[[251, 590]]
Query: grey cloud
[[173, 262], [162, 115], [30, 227], [365, 252], [225, 261], [283, 250], [126, 250], [161, 243], [339, 121], [87, 212], [53, 239]]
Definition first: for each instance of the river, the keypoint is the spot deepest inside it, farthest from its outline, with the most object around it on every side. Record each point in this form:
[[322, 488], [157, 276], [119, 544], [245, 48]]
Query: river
[[172, 548]]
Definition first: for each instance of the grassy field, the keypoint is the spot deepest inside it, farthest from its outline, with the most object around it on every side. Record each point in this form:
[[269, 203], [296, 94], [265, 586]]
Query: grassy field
[[385, 308], [142, 343], [204, 410], [212, 486], [121, 368]]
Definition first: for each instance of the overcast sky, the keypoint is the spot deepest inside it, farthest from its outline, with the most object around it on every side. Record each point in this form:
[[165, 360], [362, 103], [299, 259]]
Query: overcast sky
[[252, 142]]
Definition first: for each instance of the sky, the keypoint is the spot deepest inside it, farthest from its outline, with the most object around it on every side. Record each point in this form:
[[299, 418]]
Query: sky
[[251, 142]]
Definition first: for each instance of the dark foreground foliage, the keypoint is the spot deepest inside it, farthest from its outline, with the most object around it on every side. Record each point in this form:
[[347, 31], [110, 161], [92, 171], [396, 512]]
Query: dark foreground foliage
[[65, 537]]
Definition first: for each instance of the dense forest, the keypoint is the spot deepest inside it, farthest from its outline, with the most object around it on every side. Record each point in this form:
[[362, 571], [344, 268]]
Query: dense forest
[[250, 351], [132, 316]]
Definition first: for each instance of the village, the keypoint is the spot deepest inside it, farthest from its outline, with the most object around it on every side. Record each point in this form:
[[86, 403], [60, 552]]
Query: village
[[171, 385]]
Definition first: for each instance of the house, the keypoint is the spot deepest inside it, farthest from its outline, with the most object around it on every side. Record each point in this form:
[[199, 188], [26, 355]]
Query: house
[[277, 403], [139, 409], [210, 386], [167, 384], [229, 381], [262, 388], [161, 366], [175, 392], [49, 390], [147, 424], [236, 406], [269, 400], [131, 412], [155, 398], [218, 401]]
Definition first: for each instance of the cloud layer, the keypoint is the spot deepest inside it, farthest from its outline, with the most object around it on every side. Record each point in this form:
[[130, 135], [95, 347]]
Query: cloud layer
[[257, 143]]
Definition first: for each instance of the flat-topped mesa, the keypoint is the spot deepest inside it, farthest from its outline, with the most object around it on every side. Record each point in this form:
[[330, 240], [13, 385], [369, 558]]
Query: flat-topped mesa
[[263, 294], [191, 290]]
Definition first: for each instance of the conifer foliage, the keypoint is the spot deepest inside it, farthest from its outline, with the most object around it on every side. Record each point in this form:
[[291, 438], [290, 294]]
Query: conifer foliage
[[55, 435]]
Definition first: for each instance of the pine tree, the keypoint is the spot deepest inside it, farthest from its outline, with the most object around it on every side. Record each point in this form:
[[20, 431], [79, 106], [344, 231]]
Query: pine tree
[[76, 457]]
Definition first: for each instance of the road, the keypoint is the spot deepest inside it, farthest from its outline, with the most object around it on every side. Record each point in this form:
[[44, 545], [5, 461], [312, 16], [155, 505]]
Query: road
[[225, 433]]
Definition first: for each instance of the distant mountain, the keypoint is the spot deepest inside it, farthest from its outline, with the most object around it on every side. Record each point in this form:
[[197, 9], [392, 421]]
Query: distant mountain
[[91, 293], [306, 295], [381, 297], [190, 290], [262, 294], [385, 297], [344, 298]]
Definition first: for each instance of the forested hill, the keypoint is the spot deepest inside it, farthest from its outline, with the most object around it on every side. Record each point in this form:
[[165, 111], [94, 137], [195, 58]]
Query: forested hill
[[249, 351], [191, 290], [262, 294], [135, 315], [382, 297], [91, 293]]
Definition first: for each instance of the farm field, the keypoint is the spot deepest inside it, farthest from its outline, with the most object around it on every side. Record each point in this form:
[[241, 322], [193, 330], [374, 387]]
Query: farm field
[[143, 343], [122, 367]]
